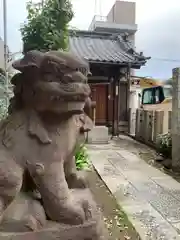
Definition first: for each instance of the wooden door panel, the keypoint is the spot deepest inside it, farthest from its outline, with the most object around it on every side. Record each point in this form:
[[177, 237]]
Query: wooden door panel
[[100, 97]]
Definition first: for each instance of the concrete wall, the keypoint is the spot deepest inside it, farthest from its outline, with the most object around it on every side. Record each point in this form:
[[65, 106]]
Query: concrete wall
[[122, 12]]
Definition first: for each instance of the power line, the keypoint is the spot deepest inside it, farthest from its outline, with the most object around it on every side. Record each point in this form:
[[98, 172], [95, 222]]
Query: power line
[[165, 59]]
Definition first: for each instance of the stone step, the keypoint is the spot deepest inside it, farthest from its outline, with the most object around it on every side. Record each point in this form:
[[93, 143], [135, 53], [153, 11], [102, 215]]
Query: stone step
[[98, 135]]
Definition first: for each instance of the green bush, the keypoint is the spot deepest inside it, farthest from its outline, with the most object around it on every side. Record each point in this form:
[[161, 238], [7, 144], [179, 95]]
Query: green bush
[[164, 145], [82, 158]]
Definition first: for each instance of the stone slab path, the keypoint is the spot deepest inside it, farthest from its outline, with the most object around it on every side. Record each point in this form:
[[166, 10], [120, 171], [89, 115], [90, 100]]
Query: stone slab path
[[149, 197]]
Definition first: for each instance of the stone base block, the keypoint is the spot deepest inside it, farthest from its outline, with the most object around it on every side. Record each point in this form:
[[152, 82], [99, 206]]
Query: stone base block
[[98, 135], [81, 232], [92, 229]]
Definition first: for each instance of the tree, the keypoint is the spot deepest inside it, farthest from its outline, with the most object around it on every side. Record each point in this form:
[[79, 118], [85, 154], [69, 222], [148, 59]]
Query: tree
[[47, 25]]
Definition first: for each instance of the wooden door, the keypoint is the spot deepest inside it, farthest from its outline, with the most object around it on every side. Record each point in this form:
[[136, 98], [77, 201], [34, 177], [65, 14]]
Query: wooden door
[[99, 95]]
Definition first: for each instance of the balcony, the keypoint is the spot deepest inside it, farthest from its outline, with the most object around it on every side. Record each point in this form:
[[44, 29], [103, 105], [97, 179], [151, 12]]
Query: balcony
[[101, 24], [97, 18]]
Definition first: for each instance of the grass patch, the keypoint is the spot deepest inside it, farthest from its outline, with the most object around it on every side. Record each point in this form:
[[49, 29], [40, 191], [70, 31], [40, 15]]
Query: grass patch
[[82, 158], [164, 145]]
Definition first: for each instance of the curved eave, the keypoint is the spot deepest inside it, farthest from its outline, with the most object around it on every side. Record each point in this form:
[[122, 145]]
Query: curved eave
[[136, 65]]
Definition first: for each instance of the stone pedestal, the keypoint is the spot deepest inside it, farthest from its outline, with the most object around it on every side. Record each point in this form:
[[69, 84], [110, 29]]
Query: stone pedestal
[[98, 135], [92, 229], [55, 232]]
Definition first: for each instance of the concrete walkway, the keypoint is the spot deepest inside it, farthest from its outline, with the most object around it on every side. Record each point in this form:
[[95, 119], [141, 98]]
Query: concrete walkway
[[149, 197]]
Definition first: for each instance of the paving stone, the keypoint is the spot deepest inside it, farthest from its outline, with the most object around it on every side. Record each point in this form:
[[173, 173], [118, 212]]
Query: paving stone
[[177, 227], [167, 182], [127, 195], [149, 223], [103, 166], [132, 158], [149, 197], [151, 171], [123, 190], [115, 183], [161, 199], [135, 162], [175, 193]]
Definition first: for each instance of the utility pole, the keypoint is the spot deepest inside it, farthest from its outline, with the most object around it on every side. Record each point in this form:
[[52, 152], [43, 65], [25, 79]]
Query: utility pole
[[5, 52]]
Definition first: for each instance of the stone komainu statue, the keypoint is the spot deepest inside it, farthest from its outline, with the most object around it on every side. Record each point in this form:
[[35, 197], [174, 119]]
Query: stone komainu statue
[[41, 193]]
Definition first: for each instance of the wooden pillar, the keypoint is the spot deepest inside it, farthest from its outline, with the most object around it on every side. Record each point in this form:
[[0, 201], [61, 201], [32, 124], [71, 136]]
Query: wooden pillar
[[128, 76], [118, 105], [129, 84], [115, 122], [107, 101], [113, 107]]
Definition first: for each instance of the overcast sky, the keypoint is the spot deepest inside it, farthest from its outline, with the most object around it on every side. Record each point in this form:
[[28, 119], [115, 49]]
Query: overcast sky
[[158, 33]]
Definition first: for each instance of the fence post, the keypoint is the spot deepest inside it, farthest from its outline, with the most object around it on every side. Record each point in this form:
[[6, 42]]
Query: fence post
[[158, 124]]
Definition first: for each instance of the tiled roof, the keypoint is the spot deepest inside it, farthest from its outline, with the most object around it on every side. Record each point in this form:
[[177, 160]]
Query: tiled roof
[[104, 47]]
